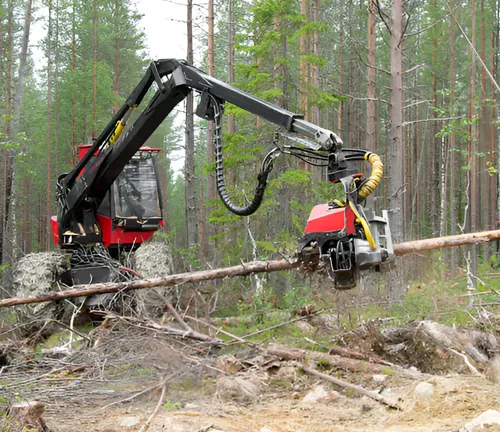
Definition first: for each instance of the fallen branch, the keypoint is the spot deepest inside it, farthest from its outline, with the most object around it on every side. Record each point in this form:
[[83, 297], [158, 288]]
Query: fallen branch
[[146, 425], [371, 394], [188, 333]]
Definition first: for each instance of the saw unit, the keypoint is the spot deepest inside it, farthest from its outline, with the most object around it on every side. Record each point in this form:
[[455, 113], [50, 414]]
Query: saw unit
[[343, 236]]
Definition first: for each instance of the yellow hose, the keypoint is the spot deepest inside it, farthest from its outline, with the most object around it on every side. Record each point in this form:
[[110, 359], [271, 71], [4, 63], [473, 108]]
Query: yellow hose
[[375, 177], [364, 224]]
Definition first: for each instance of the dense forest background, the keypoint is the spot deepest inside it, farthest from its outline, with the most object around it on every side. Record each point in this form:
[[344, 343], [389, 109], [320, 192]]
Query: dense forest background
[[413, 81]]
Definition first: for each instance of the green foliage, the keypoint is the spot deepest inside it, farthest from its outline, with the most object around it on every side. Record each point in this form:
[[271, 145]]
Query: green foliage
[[172, 405]]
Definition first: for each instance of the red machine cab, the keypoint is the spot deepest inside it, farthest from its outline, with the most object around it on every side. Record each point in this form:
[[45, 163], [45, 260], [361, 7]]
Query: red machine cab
[[131, 212]]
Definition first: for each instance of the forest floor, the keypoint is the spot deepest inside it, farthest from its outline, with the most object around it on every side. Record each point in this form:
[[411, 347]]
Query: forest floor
[[126, 376], [457, 401]]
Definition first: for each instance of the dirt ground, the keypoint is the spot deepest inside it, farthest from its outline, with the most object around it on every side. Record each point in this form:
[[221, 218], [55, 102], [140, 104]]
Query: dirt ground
[[113, 383], [456, 401]]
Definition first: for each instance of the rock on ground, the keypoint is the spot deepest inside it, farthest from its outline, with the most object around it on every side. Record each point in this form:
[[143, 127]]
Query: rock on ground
[[319, 393], [230, 388], [424, 391], [483, 422]]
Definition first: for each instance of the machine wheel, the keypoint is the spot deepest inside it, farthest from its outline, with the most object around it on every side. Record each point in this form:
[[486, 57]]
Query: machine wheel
[[37, 274], [153, 259]]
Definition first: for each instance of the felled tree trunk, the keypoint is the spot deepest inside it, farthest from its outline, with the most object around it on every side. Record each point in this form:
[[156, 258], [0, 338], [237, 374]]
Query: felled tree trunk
[[241, 270]]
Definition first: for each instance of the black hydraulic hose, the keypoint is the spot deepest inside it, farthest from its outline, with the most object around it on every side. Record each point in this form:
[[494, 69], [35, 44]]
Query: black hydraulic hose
[[267, 166]]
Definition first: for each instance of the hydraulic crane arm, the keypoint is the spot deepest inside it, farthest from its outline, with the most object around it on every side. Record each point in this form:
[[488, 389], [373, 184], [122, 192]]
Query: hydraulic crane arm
[[81, 191]]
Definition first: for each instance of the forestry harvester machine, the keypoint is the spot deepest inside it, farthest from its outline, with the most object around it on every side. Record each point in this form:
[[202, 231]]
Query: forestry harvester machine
[[111, 199]]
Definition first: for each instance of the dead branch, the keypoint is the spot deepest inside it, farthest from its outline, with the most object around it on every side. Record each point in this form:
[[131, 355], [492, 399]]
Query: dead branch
[[376, 396], [188, 333], [146, 425], [219, 330]]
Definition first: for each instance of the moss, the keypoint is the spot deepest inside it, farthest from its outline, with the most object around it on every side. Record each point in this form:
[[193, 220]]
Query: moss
[[387, 370]]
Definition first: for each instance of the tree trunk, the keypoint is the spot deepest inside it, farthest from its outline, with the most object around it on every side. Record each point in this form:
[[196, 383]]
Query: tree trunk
[[189, 174], [396, 160], [116, 75], [371, 121], [453, 164], [73, 86], [49, 123], [94, 71], [474, 183], [209, 254], [341, 66]]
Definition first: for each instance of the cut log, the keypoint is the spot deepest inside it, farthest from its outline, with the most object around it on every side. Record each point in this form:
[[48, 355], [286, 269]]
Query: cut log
[[240, 270], [348, 364], [356, 355]]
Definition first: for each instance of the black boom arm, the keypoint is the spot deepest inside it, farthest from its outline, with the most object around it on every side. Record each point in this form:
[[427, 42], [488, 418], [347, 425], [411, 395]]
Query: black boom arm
[[81, 191]]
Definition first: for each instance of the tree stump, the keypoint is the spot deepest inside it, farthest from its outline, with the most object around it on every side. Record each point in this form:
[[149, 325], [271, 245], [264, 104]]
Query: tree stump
[[29, 415]]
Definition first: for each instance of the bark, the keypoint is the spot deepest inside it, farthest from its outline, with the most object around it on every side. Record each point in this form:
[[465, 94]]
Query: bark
[[434, 185], [474, 204], [10, 211], [453, 167], [73, 86], [446, 242], [397, 149], [303, 64], [18, 99], [189, 169], [341, 60], [484, 139], [371, 121], [210, 247], [117, 54], [230, 57], [396, 185], [49, 123], [315, 69], [493, 152], [7, 158], [94, 78]]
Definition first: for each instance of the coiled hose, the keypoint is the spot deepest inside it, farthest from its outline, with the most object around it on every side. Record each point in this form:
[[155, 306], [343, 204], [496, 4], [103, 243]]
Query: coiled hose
[[267, 166], [376, 176]]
